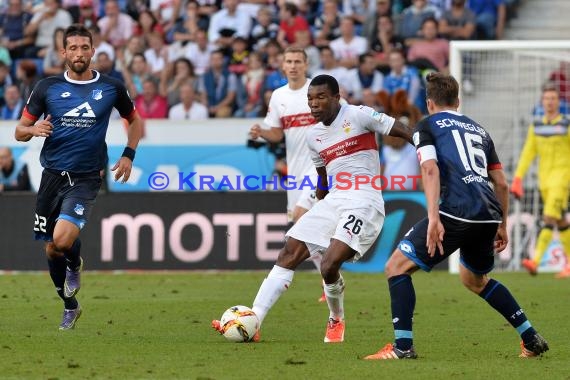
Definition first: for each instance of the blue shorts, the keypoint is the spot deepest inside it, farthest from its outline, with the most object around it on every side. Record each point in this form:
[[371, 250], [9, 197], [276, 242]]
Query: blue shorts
[[474, 240], [64, 195]]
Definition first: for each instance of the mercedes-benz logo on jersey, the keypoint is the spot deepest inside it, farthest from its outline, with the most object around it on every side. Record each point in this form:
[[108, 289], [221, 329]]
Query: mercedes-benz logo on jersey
[[65, 94], [97, 94], [84, 110]]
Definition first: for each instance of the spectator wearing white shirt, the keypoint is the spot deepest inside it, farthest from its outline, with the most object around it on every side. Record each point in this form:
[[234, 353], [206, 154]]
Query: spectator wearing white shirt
[[365, 76], [228, 23], [199, 52], [116, 27], [188, 108], [348, 47], [329, 66]]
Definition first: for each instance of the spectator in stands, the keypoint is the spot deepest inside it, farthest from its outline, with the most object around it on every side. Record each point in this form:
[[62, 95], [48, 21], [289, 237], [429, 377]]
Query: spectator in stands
[[156, 54], [358, 11], [272, 56], [5, 80], [274, 80], [458, 23], [239, 56], [349, 47], [371, 25], [385, 41], [490, 18], [199, 52], [403, 77], [135, 75], [135, 7], [54, 62], [14, 174], [218, 87], [208, 8], [413, 18], [116, 27], [252, 84], [176, 74], [100, 45], [125, 55], [12, 24], [330, 66], [227, 23], [150, 104], [327, 25], [303, 40], [14, 104], [87, 13], [264, 30], [364, 77], [188, 108], [146, 25], [26, 77], [188, 25], [5, 56], [289, 22], [370, 99], [105, 65], [433, 49], [561, 79], [166, 12], [43, 25]]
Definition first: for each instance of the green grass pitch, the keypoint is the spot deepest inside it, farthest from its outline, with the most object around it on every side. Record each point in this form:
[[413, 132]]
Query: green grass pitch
[[157, 326]]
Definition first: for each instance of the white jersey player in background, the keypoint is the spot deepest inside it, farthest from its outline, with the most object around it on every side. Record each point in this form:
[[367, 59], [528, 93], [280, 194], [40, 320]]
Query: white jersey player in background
[[289, 115], [346, 221]]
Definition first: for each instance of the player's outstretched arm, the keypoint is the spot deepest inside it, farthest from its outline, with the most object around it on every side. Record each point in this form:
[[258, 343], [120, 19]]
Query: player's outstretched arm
[[401, 130], [124, 166], [28, 128], [430, 176], [273, 135], [499, 180]]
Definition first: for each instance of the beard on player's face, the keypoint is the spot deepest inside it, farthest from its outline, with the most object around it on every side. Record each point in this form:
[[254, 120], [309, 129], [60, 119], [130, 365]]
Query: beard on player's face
[[78, 67]]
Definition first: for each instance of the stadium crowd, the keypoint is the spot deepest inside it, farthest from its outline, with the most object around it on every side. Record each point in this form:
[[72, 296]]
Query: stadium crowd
[[195, 59]]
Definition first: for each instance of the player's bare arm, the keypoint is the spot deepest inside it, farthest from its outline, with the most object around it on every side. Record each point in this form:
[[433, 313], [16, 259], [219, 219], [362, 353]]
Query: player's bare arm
[[430, 175], [273, 135], [501, 187], [28, 128], [401, 130], [124, 166], [323, 185]]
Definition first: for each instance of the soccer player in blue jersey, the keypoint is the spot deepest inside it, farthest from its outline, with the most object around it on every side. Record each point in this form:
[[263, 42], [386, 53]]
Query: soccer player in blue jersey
[[467, 201], [76, 106]]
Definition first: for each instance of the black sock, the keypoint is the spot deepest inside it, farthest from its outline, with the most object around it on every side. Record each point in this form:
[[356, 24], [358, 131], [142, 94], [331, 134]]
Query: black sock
[[72, 255], [57, 274], [499, 297], [403, 298]]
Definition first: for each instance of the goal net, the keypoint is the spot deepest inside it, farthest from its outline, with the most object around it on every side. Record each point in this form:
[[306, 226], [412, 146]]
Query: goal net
[[500, 87]]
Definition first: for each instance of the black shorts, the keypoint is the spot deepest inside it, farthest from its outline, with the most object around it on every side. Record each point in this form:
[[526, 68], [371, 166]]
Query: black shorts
[[64, 195], [474, 240]]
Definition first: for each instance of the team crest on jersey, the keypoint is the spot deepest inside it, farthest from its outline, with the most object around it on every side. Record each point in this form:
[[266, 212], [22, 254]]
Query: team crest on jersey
[[347, 127], [79, 209], [97, 94]]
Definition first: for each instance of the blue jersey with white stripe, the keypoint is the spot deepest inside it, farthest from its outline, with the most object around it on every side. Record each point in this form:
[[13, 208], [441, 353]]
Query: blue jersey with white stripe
[[465, 153], [80, 112]]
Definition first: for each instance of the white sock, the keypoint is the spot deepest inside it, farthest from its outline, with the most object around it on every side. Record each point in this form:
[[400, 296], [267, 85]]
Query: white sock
[[274, 285], [335, 298]]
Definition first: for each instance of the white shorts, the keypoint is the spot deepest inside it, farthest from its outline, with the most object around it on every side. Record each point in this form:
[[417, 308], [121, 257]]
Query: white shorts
[[354, 222], [305, 197]]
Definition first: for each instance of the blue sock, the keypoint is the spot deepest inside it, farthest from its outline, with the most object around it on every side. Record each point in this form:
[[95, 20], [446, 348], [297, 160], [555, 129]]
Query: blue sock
[[499, 297], [57, 274], [403, 298], [72, 255]]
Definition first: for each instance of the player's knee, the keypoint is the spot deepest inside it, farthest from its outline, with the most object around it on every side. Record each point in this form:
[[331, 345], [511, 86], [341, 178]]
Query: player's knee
[[62, 243], [52, 252], [476, 284], [329, 269]]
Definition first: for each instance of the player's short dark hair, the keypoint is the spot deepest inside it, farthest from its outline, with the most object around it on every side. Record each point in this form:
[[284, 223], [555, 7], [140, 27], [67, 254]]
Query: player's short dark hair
[[442, 89], [327, 80], [76, 30]]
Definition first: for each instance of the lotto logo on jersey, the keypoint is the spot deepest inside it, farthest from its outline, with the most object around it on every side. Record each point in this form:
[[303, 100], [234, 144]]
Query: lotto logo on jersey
[[84, 110]]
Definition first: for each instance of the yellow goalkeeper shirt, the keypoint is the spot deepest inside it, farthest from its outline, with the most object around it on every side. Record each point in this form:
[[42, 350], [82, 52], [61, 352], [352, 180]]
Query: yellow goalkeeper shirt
[[550, 141]]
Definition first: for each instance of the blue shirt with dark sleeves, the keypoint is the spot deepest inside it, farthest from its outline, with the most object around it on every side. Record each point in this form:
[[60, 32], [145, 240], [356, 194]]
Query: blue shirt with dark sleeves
[[80, 112], [465, 154]]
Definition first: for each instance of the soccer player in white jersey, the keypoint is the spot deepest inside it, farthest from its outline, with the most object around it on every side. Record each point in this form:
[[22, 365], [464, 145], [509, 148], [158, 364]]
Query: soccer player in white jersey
[[346, 221], [289, 115]]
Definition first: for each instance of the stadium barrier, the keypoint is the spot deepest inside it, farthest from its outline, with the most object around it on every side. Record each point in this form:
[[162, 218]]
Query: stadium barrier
[[186, 231]]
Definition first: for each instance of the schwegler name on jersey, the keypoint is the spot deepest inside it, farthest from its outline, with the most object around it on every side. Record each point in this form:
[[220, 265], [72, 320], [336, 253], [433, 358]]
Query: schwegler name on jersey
[[80, 112], [465, 153]]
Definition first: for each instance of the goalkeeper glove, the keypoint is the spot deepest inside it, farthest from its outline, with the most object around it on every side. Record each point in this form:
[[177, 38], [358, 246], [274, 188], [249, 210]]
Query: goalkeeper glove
[[517, 188]]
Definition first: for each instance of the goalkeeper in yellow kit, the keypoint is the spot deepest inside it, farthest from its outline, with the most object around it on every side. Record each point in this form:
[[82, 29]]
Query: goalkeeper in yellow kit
[[548, 139]]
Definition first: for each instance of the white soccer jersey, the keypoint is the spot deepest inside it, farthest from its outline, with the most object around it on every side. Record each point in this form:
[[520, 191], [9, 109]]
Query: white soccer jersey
[[349, 151], [289, 110]]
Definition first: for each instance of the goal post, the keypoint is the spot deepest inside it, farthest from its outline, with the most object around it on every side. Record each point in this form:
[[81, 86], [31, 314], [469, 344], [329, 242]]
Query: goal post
[[500, 87]]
